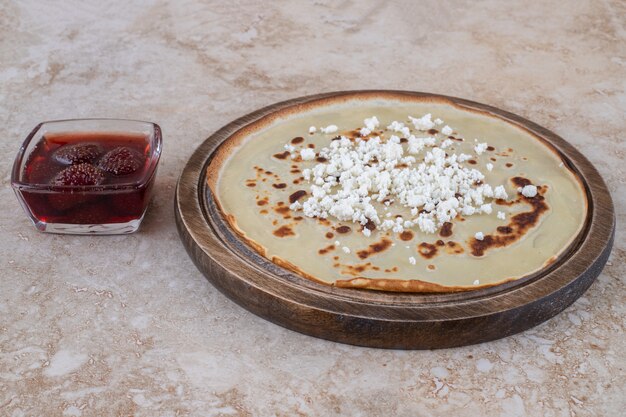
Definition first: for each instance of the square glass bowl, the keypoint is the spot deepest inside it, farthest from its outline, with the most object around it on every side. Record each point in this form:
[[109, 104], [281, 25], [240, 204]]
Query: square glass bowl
[[87, 176]]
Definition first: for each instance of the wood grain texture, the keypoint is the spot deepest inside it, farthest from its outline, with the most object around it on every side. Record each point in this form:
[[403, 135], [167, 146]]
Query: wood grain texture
[[379, 319]]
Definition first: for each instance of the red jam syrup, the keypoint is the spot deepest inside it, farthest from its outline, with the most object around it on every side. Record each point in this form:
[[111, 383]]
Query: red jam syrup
[[90, 178]]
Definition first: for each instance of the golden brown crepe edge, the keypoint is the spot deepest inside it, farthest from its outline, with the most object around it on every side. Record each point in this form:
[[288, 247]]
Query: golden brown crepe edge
[[405, 285]]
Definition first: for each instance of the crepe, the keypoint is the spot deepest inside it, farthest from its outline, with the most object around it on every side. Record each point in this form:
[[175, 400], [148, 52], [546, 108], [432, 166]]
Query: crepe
[[254, 180]]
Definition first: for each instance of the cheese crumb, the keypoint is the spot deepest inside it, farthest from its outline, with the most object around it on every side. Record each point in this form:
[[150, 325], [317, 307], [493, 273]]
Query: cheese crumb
[[329, 129], [412, 260], [529, 191], [307, 154], [446, 144], [367, 232], [365, 131], [346, 249], [372, 123], [476, 282], [423, 123], [501, 215], [480, 148], [447, 130], [479, 236], [500, 193], [489, 166], [312, 129], [438, 121]]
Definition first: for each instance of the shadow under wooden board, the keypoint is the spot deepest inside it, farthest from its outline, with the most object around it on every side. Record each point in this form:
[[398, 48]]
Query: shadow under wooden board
[[383, 319]]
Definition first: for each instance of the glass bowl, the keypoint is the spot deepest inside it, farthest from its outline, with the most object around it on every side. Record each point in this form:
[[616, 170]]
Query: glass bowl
[[87, 176]]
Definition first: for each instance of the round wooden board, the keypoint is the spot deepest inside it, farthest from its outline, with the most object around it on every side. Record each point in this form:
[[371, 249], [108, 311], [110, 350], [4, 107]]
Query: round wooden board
[[380, 319]]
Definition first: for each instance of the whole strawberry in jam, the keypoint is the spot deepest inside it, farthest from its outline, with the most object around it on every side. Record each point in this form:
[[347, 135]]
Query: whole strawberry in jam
[[77, 153], [80, 174], [121, 161]]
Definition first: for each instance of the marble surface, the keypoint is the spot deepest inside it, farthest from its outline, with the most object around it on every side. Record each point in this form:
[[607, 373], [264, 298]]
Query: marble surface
[[126, 325]]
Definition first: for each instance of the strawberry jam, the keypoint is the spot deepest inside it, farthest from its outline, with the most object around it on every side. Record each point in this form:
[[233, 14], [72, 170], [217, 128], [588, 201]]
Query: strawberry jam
[[88, 178]]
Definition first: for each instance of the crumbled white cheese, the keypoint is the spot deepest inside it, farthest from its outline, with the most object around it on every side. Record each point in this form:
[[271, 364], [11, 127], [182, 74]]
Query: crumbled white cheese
[[289, 148], [438, 121], [489, 166], [500, 193], [395, 126], [446, 144], [312, 129], [529, 191], [412, 260], [476, 282], [359, 177], [345, 249], [399, 127], [479, 236], [329, 129], [480, 148], [501, 215], [307, 154], [372, 123], [365, 131], [423, 123], [447, 130], [295, 206], [337, 243]]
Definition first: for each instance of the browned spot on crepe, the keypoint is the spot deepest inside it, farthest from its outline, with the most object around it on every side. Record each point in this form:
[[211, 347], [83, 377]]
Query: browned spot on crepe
[[453, 248], [427, 250], [370, 225], [374, 248], [281, 209], [325, 250], [284, 231], [296, 196], [446, 230], [519, 224], [356, 270], [343, 229]]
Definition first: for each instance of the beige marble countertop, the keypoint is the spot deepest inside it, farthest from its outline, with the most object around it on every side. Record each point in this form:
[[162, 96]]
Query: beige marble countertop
[[126, 325]]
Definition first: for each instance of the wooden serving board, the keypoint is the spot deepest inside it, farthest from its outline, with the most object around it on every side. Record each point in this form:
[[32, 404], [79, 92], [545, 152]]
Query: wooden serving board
[[380, 319]]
